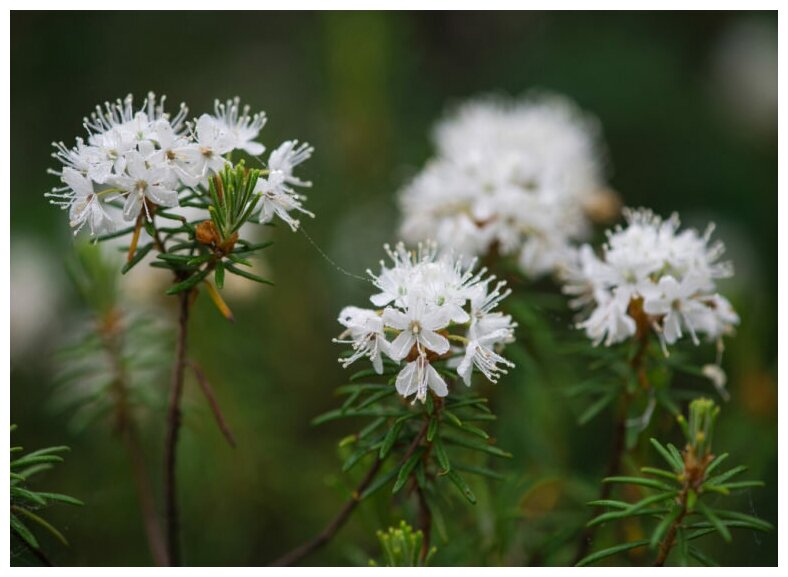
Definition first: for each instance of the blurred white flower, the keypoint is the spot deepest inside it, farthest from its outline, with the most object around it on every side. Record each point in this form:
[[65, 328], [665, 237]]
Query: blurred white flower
[[35, 298], [514, 177], [651, 276], [430, 301], [744, 75]]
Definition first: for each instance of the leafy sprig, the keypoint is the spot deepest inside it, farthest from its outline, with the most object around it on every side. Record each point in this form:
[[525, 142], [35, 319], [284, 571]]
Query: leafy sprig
[[401, 547], [678, 498], [26, 502]]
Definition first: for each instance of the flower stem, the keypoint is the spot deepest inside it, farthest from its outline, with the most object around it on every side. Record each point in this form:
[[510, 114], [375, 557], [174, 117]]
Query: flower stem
[[619, 442], [173, 428], [333, 527], [425, 522], [336, 524], [670, 537], [127, 430]]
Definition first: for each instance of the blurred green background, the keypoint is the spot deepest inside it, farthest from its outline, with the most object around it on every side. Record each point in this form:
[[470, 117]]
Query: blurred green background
[[688, 102]]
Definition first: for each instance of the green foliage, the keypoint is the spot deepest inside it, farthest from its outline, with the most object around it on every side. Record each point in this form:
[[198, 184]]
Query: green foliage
[[113, 359], [402, 547], [26, 502], [680, 501], [194, 250], [425, 450]]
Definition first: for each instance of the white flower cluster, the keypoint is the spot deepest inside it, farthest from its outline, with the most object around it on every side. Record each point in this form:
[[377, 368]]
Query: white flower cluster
[[435, 309], [136, 158], [651, 276], [516, 177]]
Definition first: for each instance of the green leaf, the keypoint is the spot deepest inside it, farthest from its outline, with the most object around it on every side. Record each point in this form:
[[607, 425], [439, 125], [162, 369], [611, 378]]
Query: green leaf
[[676, 455], [659, 473], [60, 498], [609, 503], [483, 447], [237, 271], [465, 427], [460, 483], [476, 402], [616, 515], [115, 234], [388, 442], [481, 471], [405, 470], [370, 373], [669, 457], [610, 551], [357, 456], [737, 485], [760, 524], [440, 454], [432, 429], [192, 261], [138, 256], [374, 398], [42, 522], [380, 482], [218, 274], [23, 532], [452, 418], [722, 477], [369, 429], [716, 463], [664, 525], [188, 283], [597, 407], [643, 482], [24, 494], [351, 399], [340, 414], [247, 247], [715, 521], [360, 387], [702, 558]]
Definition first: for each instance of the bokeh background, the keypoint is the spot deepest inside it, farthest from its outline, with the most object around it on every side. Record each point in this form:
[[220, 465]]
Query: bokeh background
[[688, 102]]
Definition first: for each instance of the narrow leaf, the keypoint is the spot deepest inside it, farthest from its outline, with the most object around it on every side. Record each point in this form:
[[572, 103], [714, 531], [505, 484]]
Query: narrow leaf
[[610, 551]]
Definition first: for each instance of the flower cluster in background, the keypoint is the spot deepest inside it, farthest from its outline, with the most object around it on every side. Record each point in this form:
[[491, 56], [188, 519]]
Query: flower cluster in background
[[651, 272], [433, 308], [517, 177], [137, 159]]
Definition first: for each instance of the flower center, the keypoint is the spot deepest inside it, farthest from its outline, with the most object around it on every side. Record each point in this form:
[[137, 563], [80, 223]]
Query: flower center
[[415, 327]]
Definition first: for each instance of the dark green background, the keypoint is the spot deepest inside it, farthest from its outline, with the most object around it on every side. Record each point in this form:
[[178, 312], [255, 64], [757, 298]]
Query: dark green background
[[365, 89]]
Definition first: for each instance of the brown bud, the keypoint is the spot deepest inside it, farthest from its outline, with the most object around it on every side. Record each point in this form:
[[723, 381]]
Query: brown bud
[[603, 206], [206, 233]]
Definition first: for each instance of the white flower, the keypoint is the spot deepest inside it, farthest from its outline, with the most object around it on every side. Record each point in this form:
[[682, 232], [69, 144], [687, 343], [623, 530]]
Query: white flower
[[429, 301], [479, 353], [83, 204], [417, 377], [510, 176], [365, 328], [135, 154], [286, 157], [213, 142], [650, 275], [418, 325], [144, 182], [241, 128], [279, 198]]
